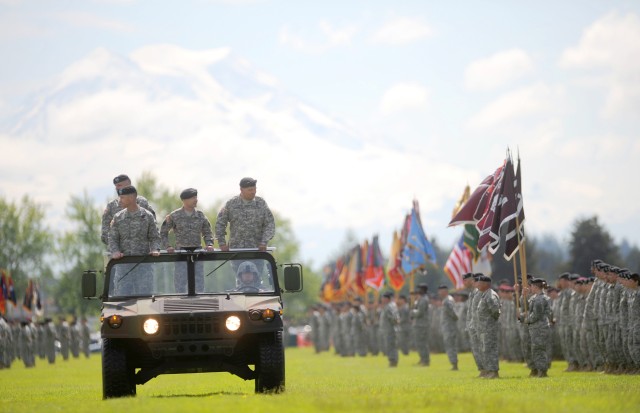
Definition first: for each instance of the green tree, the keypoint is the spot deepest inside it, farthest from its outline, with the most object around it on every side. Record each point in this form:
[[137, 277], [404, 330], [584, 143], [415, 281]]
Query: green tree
[[25, 243], [590, 240], [79, 249]]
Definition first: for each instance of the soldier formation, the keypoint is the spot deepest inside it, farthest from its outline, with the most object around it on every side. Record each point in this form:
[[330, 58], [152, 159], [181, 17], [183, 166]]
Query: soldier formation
[[27, 340], [592, 322]]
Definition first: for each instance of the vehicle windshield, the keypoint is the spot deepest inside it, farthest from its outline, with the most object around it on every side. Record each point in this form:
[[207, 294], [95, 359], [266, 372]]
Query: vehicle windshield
[[222, 276]]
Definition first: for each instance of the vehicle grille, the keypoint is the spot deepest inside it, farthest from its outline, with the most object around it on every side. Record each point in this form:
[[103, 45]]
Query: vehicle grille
[[204, 304], [189, 326]]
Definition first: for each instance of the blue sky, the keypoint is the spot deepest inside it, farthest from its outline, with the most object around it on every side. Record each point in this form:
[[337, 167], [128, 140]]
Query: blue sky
[[344, 110]]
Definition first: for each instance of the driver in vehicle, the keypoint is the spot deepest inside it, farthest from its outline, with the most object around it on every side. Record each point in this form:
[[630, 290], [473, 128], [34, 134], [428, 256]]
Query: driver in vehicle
[[247, 278]]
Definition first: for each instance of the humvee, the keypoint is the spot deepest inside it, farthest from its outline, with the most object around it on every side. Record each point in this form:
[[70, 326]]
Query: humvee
[[192, 312]]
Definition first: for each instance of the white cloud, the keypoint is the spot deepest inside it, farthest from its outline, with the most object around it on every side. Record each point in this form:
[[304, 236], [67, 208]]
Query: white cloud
[[610, 49], [327, 38], [402, 30], [403, 96], [498, 69], [525, 102], [91, 20]]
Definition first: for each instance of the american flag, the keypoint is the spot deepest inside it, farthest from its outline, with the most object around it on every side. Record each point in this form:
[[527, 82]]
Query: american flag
[[458, 263]]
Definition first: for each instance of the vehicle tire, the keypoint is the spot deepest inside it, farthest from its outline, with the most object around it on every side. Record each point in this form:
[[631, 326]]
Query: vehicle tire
[[270, 365], [117, 375]]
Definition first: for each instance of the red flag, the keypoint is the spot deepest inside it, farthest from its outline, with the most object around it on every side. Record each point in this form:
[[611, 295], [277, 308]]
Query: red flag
[[489, 202], [512, 241], [375, 270], [466, 213], [394, 271]]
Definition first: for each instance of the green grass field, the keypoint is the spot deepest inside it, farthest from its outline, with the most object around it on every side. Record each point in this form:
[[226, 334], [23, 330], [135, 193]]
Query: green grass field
[[325, 383]]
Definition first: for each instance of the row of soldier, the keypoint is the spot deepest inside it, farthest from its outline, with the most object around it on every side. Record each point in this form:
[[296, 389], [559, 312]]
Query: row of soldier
[[591, 322], [27, 340]]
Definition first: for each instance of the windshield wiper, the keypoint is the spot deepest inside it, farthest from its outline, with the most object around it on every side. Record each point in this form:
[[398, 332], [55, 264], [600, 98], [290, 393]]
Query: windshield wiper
[[223, 263], [133, 268]]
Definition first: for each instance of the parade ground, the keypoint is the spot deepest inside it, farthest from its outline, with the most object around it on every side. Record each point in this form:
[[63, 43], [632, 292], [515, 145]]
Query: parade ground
[[325, 383]]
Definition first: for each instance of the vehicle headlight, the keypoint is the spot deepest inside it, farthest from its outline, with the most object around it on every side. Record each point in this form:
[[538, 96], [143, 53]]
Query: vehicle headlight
[[114, 321], [232, 323], [150, 326]]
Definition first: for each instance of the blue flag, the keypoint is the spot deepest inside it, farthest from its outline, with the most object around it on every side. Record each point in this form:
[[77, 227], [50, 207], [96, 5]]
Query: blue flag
[[417, 250]]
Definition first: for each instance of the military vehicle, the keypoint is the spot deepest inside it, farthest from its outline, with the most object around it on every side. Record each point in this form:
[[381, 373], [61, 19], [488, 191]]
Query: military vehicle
[[193, 312]]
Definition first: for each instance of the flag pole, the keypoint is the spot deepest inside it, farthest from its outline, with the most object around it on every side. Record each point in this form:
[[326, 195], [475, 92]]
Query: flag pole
[[515, 282], [523, 264]]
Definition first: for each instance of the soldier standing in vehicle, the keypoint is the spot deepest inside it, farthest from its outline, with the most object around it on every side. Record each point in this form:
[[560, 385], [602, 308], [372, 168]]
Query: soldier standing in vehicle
[[190, 226], [133, 232], [113, 207], [251, 223]]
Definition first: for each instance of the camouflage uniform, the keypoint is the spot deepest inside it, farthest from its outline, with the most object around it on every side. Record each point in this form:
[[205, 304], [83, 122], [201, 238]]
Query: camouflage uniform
[[251, 223], [539, 332], [566, 327], [133, 233], [74, 342], [85, 335], [590, 326], [359, 331], [421, 325], [577, 306], [64, 335], [488, 314], [5, 343], [373, 318], [315, 330], [404, 336], [634, 327], [113, 208], [613, 340], [472, 327], [346, 320], [448, 323], [27, 350], [50, 339], [389, 320]]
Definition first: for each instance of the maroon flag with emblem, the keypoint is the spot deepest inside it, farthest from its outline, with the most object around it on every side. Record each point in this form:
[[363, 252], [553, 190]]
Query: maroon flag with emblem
[[489, 203], [512, 240]]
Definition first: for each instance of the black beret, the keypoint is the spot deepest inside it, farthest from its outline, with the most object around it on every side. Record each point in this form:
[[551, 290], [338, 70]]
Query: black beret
[[188, 193], [127, 190], [120, 178], [467, 275], [573, 277], [635, 276], [564, 276], [388, 294], [537, 281], [443, 287], [483, 278], [247, 182]]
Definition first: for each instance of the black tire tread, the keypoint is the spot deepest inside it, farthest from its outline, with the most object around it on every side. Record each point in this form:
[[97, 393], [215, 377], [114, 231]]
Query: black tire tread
[[117, 377], [270, 369]]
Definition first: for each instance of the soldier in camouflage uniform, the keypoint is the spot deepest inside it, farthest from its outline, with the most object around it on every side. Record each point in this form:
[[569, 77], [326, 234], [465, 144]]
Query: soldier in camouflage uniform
[[85, 335], [488, 313], [5, 342], [27, 350], [448, 325], [336, 338], [50, 335], [359, 329], [634, 321], [625, 298], [74, 342], [64, 335], [133, 232], [576, 308], [373, 320], [113, 207], [469, 281], [190, 226], [422, 324], [346, 320], [404, 335], [251, 223], [389, 321], [612, 305], [591, 319], [537, 318]]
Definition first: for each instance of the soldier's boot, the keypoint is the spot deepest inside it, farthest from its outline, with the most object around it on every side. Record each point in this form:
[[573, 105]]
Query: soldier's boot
[[533, 373], [542, 373], [483, 373], [393, 363], [492, 375], [455, 366]]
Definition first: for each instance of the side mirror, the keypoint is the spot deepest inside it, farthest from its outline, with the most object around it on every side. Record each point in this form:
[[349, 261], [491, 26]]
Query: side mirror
[[293, 278], [89, 284]]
